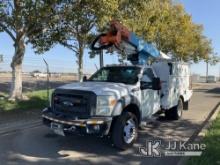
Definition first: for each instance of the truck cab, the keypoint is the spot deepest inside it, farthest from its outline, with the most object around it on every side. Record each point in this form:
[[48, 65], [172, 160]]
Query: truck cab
[[113, 101]]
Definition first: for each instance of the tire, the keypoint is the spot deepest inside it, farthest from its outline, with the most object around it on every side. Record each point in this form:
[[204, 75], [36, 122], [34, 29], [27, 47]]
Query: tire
[[125, 130], [176, 112]]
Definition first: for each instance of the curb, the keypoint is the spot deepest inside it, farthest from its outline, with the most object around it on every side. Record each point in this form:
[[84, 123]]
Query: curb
[[199, 134]]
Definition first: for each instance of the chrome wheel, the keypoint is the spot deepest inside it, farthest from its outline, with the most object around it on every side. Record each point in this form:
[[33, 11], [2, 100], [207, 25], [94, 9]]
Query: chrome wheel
[[129, 131]]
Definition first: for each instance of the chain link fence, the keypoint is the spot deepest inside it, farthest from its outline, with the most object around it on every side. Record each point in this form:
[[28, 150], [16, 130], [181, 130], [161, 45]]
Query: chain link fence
[[33, 82], [34, 74]]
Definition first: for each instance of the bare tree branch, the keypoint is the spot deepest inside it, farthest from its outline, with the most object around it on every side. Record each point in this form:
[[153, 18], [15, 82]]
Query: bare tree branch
[[11, 5], [69, 46], [8, 31]]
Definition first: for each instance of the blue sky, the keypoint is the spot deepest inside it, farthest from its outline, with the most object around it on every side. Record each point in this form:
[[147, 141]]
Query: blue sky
[[207, 13], [61, 59]]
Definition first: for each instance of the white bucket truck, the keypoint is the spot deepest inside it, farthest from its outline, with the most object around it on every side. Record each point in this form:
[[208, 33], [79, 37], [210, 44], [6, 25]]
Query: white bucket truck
[[117, 99]]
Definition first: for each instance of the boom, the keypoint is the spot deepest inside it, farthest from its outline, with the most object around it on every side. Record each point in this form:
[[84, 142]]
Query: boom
[[121, 38]]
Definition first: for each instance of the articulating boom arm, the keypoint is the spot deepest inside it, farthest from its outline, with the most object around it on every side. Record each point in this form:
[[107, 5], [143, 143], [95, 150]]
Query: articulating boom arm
[[122, 39]]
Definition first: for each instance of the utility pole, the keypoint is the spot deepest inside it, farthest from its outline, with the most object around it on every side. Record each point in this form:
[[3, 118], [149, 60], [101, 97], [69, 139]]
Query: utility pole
[[207, 71], [219, 74], [1, 58], [101, 59]]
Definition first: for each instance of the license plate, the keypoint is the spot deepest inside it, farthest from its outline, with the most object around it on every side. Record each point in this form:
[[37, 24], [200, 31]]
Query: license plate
[[57, 128]]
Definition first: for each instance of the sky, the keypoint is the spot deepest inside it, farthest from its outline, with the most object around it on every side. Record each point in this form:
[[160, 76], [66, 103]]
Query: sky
[[61, 59], [207, 13]]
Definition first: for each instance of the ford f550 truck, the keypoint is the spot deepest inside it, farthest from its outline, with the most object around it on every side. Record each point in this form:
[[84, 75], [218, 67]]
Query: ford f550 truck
[[117, 99]]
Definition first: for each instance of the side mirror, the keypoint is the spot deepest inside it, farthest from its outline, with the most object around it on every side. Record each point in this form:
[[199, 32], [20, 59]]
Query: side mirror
[[84, 78], [156, 85]]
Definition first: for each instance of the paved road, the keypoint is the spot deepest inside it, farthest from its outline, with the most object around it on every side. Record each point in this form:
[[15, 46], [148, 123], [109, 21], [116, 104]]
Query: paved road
[[38, 145]]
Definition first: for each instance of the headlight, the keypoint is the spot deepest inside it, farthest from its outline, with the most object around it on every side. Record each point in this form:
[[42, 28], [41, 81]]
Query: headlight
[[105, 105]]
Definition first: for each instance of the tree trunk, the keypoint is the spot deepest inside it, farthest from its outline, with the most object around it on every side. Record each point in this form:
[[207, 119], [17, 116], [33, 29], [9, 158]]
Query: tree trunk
[[16, 65], [80, 62]]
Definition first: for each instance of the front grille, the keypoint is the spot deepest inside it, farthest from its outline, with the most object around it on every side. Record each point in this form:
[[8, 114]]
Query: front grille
[[73, 103]]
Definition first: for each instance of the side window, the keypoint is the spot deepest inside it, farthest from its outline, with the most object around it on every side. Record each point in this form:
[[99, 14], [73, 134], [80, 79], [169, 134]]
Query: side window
[[146, 81], [148, 75], [101, 76]]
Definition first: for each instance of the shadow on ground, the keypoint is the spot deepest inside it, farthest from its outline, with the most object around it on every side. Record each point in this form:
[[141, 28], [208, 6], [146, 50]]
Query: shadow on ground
[[210, 91], [215, 92], [86, 150]]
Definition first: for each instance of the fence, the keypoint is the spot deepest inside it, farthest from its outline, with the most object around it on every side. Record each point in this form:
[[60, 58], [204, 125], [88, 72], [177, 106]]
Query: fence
[[34, 75], [31, 83], [203, 79]]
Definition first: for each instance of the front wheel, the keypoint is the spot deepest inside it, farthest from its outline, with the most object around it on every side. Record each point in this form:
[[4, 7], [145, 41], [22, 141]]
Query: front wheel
[[125, 130]]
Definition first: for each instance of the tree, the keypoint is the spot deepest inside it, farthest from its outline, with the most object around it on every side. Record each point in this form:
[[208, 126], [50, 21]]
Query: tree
[[36, 71], [23, 21], [78, 25], [161, 22], [167, 25]]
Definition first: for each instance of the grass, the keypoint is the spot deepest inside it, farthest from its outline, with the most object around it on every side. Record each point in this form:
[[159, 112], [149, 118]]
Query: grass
[[211, 155], [37, 100]]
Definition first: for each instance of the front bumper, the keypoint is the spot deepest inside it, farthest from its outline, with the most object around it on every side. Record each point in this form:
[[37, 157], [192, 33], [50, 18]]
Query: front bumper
[[95, 125]]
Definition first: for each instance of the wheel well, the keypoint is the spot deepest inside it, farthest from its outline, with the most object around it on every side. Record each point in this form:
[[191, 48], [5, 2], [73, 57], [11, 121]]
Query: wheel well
[[129, 108], [133, 109], [181, 97], [185, 103]]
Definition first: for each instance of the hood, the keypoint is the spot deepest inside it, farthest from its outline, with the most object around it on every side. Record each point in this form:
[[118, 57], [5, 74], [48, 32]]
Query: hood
[[100, 88]]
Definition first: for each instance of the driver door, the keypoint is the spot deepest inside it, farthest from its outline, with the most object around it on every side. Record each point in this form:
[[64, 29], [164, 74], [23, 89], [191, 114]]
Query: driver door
[[150, 99]]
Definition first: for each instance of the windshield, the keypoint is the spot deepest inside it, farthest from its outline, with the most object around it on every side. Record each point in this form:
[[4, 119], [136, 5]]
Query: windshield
[[127, 75]]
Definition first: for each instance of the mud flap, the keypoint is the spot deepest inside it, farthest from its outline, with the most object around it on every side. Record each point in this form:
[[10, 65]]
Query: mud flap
[[186, 105]]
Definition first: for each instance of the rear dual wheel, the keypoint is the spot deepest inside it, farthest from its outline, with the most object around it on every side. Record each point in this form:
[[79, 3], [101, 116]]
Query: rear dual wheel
[[176, 112]]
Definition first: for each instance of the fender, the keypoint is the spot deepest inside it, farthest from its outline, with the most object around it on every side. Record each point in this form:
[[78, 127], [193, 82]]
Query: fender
[[124, 102]]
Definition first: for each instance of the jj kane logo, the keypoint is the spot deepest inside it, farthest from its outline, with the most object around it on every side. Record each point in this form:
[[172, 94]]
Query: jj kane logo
[[155, 148]]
